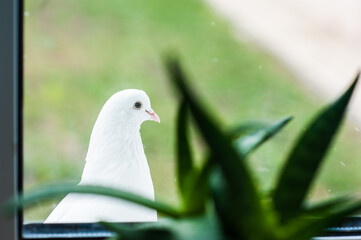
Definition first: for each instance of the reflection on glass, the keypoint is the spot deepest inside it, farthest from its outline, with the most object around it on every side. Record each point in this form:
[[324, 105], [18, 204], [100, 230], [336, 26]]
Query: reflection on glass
[[78, 53]]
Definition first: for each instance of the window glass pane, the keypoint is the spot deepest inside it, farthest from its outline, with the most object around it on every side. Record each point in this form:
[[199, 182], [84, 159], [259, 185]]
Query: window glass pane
[[79, 53]]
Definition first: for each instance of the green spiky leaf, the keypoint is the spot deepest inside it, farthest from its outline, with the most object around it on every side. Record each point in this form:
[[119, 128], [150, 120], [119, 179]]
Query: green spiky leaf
[[253, 140], [245, 202], [185, 167], [138, 233], [311, 225], [193, 184], [302, 164], [242, 129], [198, 192], [321, 208], [60, 190]]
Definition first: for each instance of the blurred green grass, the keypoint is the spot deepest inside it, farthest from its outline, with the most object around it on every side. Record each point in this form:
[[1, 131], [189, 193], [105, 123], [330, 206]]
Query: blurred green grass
[[78, 53]]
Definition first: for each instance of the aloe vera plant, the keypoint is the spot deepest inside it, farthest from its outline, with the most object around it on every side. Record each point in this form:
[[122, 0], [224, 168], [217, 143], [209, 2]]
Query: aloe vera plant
[[221, 200]]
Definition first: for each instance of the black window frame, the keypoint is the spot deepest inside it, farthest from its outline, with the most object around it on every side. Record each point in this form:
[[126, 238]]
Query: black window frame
[[11, 109], [11, 144]]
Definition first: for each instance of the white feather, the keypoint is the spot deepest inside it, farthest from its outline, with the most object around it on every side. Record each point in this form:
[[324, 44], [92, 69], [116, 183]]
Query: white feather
[[115, 159]]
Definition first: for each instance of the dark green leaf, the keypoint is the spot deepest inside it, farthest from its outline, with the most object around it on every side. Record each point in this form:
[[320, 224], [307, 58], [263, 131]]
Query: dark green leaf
[[246, 128], [201, 227], [306, 156], [250, 142], [184, 153], [311, 226], [193, 184], [53, 191], [222, 198], [138, 233], [204, 227], [117, 229], [322, 208], [114, 238], [198, 193], [245, 203]]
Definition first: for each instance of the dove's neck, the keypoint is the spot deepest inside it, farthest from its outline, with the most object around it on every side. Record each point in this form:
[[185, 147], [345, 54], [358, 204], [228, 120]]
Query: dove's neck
[[115, 156]]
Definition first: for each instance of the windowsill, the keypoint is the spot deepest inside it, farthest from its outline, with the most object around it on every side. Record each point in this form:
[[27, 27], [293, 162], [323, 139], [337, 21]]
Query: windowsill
[[65, 231], [350, 229]]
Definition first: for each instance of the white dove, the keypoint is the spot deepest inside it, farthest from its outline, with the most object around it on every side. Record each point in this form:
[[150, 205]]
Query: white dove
[[115, 159]]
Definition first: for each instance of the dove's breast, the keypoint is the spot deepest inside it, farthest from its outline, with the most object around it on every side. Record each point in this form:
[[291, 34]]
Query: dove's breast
[[125, 174], [92, 208]]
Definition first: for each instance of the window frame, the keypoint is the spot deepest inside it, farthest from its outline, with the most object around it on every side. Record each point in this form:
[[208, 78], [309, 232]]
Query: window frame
[[11, 106]]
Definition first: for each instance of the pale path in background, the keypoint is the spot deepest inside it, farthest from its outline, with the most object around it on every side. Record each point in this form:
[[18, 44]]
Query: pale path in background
[[319, 41]]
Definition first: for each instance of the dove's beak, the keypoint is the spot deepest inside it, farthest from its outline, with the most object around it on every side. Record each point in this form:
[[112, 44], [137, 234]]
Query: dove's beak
[[153, 115]]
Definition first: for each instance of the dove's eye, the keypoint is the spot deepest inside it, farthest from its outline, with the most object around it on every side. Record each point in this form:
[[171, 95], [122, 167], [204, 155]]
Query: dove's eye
[[137, 105]]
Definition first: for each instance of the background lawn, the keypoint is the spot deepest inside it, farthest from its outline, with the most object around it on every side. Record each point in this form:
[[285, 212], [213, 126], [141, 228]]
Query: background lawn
[[78, 53]]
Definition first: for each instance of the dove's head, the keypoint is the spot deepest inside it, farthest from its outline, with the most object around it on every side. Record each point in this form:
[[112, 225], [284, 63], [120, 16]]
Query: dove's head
[[129, 108], [118, 124]]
